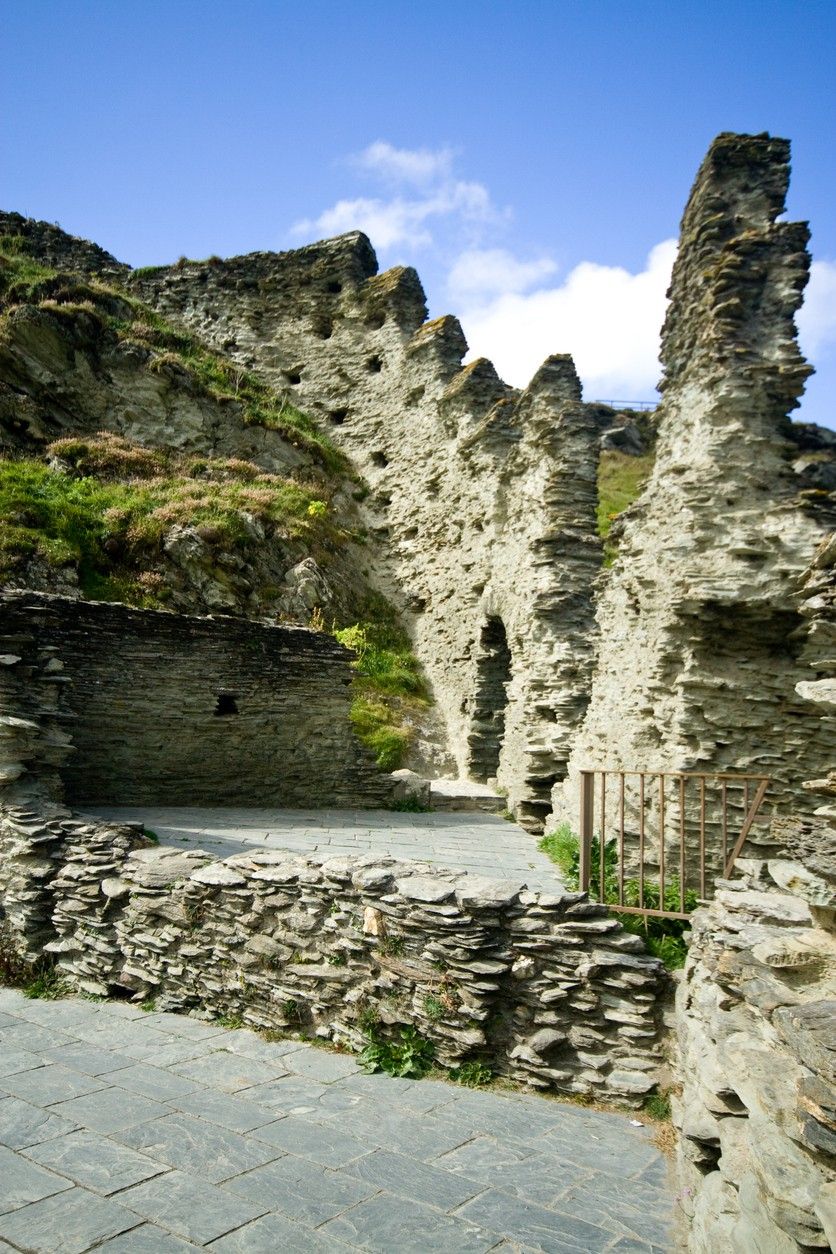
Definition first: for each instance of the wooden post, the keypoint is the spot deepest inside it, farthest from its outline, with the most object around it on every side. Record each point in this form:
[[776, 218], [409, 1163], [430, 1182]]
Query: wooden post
[[587, 818]]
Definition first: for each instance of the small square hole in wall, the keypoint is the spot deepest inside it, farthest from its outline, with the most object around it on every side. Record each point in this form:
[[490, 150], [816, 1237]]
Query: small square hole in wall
[[226, 704]]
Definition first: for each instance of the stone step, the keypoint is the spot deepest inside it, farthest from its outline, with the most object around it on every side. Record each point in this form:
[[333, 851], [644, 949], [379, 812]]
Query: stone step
[[466, 794]]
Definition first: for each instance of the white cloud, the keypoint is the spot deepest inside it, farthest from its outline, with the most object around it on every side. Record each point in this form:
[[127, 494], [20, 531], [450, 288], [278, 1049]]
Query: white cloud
[[420, 166], [816, 319], [606, 317], [403, 218], [480, 273]]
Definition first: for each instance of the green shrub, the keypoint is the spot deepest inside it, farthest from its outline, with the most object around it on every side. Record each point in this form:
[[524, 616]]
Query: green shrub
[[474, 1075], [410, 1057]]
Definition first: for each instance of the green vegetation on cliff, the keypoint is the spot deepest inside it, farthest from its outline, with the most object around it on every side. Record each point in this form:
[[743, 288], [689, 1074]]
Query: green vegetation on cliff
[[389, 690], [115, 312], [108, 508], [620, 481]]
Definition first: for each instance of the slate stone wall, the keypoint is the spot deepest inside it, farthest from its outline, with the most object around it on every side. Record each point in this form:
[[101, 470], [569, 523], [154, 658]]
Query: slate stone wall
[[546, 989], [125, 706]]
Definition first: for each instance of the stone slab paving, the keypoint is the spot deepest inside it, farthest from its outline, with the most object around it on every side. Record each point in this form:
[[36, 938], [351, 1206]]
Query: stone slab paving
[[471, 841], [218, 1139]]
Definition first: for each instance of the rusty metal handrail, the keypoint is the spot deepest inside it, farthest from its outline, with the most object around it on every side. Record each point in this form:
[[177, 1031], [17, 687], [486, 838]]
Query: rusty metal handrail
[[690, 859]]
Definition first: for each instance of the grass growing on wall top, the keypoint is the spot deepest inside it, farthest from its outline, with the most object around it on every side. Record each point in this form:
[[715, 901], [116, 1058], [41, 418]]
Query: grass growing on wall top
[[663, 937], [21, 275]]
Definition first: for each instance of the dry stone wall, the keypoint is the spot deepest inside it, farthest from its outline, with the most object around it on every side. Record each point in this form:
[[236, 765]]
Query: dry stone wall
[[702, 642], [546, 989], [479, 501], [756, 1046], [121, 706]]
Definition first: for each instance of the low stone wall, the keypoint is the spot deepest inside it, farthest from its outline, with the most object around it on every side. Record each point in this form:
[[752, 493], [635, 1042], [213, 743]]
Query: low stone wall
[[756, 1028], [545, 989], [106, 704]]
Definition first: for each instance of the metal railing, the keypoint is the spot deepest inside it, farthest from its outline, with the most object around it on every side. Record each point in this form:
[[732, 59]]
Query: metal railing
[[653, 842], [638, 405]]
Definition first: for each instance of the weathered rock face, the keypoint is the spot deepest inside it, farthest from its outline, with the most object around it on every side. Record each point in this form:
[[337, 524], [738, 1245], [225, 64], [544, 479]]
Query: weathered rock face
[[545, 989], [756, 1024], [481, 500], [106, 704], [701, 646]]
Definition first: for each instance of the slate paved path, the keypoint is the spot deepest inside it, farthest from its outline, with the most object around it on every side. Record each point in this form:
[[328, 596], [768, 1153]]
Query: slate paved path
[[470, 841], [130, 1132]]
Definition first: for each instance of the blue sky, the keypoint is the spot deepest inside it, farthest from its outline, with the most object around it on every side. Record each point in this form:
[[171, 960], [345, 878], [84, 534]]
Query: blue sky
[[531, 159]]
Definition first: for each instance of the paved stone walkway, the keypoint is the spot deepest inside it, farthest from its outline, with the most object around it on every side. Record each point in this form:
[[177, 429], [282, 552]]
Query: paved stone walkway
[[138, 1132], [473, 842]]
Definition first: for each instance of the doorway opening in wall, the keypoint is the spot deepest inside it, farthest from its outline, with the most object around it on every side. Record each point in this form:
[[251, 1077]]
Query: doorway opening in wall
[[493, 674], [226, 704]]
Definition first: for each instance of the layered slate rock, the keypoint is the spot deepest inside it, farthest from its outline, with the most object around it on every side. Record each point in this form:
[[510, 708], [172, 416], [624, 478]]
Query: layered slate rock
[[479, 500], [106, 704], [544, 988], [756, 1024], [702, 638]]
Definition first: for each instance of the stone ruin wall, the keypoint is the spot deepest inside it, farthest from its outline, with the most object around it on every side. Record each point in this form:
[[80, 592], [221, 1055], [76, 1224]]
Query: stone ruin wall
[[755, 1017], [544, 989], [702, 640], [102, 704], [481, 500]]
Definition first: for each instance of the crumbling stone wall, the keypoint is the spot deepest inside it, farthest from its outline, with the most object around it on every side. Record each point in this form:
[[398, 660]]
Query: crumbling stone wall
[[702, 643], [756, 1023], [117, 705], [546, 989], [479, 501]]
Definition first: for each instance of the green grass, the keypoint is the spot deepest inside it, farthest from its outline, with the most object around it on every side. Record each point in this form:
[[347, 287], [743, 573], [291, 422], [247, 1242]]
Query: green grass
[[620, 481], [112, 530], [663, 937], [48, 985], [389, 690], [22, 278]]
